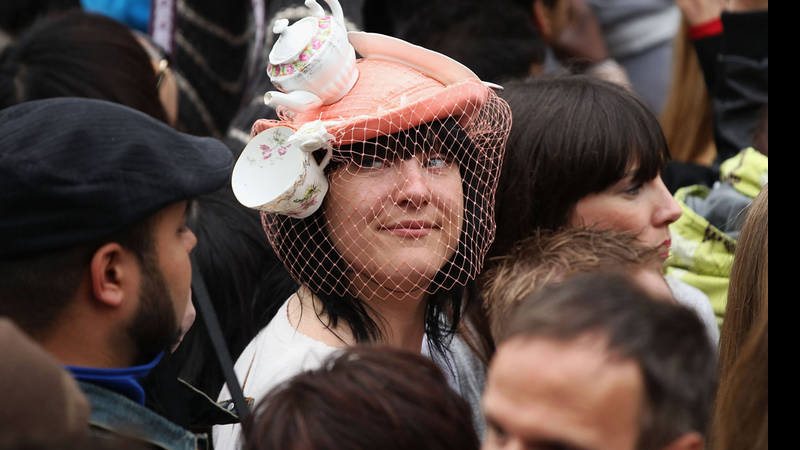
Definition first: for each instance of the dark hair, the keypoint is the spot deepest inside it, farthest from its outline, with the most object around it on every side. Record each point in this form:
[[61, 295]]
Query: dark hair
[[34, 290], [572, 136], [246, 286], [667, 341], [447, 301], [78, 54], [528, 3], [364, 397], [245, 280], [17, 15], [497, 40]]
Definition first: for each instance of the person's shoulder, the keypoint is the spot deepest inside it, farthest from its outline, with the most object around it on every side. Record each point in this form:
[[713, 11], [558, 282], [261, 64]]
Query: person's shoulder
[[462, 353], [278, 352], [271, 364], [696, 300], [116, 415]]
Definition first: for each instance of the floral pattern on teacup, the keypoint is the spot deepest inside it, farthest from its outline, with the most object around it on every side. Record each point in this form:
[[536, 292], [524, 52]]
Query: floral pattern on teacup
[[266, 150], [309, 199], [282, 148]]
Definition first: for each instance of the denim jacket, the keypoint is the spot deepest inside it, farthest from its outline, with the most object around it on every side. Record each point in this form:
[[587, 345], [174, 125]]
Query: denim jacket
[[119, 415]]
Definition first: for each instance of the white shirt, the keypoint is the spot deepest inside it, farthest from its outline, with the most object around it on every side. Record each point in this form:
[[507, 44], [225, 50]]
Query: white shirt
[[280, 351]]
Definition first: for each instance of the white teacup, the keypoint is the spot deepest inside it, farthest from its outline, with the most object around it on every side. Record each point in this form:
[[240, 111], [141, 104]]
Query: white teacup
[[277, 176]]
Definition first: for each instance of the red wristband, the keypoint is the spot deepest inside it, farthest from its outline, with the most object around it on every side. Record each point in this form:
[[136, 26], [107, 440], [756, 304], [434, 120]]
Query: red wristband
[[711, 28]]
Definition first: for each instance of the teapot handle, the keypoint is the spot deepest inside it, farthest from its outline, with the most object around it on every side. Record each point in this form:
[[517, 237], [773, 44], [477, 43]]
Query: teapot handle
[[336, 9]]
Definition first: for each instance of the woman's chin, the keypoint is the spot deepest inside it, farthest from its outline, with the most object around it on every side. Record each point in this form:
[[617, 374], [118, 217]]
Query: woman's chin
[[411, 276]]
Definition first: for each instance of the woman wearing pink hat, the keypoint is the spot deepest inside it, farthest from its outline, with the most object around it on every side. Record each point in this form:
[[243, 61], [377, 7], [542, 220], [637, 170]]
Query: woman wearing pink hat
[[415, 142]]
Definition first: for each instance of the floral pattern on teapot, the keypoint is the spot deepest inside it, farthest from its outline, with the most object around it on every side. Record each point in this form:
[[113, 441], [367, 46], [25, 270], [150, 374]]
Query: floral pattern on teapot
[[322, 35]]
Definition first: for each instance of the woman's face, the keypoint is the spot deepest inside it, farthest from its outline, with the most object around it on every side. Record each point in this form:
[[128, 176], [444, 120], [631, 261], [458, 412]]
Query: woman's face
[[645, 209], [398, 221]]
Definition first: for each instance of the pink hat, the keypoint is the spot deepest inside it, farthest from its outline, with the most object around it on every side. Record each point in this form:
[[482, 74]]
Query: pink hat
[[400, 85], [402, 93]]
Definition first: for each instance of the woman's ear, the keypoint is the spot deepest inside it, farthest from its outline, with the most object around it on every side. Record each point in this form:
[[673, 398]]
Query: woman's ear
[[111, 272]]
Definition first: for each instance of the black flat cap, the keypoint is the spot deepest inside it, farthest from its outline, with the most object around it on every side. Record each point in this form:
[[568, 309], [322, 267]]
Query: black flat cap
[[76, 170]]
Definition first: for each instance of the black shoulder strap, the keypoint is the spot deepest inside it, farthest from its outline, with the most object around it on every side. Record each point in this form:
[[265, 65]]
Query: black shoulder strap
[[220, 348]]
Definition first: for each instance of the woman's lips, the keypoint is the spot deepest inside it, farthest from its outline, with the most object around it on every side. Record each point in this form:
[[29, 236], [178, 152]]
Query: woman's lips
[[664, 249], [410, 229]]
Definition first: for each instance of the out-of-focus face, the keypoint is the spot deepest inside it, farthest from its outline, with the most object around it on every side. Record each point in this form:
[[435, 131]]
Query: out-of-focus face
[[547, 394], [396, 221], [645, 209], [560, 16]]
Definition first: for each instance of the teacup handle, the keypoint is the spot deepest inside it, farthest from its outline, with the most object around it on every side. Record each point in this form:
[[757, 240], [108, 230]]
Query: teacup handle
[[311, 146], [325, 160]]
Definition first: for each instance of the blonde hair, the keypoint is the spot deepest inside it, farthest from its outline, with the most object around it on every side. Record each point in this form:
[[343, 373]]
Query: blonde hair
[[687, 116], [741, 414], [748, 291], [549, 256]]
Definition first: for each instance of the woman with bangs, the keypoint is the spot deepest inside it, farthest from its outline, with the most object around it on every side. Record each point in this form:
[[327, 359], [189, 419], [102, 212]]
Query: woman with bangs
[[582, 152], [586, 152], [394, 236], [403, 228]]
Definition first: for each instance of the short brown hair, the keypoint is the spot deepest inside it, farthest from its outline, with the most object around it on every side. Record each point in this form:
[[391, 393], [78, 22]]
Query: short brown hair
[[367, 396], [35, 290], [549, 256], [666, 340]]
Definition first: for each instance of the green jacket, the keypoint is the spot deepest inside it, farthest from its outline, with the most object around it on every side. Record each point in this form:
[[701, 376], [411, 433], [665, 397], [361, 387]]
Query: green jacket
[[703, 241]]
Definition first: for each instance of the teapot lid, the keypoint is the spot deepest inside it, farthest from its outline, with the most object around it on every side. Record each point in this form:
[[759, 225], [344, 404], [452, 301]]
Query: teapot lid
[[293, 40]]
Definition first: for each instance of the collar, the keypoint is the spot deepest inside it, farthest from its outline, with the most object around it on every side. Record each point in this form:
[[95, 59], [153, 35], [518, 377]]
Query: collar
[[124, 381]]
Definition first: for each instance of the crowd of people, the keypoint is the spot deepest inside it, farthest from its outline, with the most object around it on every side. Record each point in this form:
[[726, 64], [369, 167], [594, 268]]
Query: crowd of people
[[401, 224]]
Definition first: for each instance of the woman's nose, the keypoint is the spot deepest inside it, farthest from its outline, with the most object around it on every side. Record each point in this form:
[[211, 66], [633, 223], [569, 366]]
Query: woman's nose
[[668, 209], [414, 190]]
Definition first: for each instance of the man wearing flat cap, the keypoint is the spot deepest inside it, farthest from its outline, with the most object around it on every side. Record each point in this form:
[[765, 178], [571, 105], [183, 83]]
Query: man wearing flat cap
[[94, 246]]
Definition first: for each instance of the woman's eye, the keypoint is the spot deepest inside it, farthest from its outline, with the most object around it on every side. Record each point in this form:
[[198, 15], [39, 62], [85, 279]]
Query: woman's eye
[[373, 163], [496, 434], [436, 162], [634, 189]]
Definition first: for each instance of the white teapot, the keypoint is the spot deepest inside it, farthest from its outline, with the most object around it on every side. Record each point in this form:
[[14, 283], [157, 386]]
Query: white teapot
[[312, 63]]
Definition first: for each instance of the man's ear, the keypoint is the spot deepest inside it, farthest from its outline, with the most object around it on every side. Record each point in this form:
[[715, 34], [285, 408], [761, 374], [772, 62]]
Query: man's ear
[[112, 269], [687, 441]]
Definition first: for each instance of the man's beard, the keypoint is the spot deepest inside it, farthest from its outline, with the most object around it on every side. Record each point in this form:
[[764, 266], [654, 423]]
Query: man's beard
[[155, 326]]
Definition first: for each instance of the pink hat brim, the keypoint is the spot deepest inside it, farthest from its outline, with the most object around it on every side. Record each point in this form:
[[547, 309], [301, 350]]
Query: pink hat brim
[[396, 90]]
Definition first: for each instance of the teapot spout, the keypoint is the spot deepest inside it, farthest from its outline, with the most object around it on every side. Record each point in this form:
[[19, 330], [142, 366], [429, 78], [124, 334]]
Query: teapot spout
[[297, 101]]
